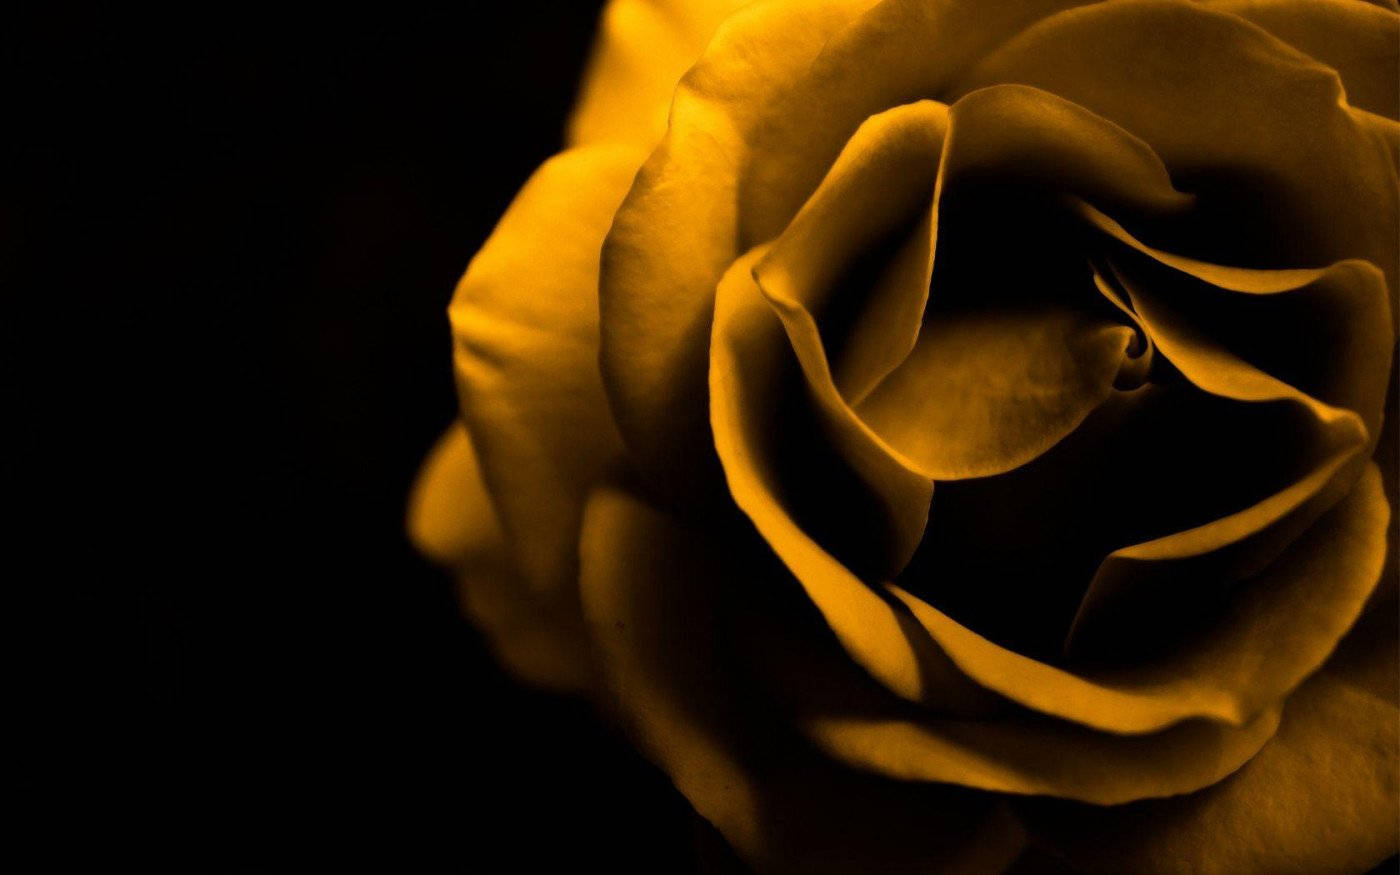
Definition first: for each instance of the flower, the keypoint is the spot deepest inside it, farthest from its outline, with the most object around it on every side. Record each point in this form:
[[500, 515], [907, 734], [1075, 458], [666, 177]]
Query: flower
[[941, 429]]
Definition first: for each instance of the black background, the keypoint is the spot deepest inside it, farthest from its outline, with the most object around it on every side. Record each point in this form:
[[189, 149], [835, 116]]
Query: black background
[[231, 236], [227, 241]]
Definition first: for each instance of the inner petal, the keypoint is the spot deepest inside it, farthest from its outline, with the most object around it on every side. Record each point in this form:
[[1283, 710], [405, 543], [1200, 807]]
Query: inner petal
[[1011, 556], [1016, 345], [986, 392]]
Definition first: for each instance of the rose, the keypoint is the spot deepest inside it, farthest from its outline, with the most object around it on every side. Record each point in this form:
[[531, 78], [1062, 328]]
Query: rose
[[945, 430]]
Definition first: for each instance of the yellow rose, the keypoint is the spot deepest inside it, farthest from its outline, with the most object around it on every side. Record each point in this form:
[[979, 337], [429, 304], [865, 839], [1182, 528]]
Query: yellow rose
[[946, 431]]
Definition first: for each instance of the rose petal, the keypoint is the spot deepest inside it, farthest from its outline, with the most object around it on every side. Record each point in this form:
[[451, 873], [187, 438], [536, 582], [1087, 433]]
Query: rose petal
[[1054, 759], [914, 662], [1341, 314], [1023, 135], [882, 184], [450, 518], [923, 47], [986, 743], [539, 640], [1148, 462], [1278, 163], [673, 238], [983, 393], [808, 441], [1384, 131], [1358, 40], [525, 323], [658, 599], [979, 395], [974, 743], [642, 50], [1278, 628], [1322, 796], [1136, 583], [746, 356]]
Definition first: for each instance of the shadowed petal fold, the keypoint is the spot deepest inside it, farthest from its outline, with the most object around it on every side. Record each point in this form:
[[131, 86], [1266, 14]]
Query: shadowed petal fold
[[661, 601]]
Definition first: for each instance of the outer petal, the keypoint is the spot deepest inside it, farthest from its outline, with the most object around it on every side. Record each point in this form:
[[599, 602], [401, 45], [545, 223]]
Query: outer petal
[[1280, 166], [451, 520], [450, 517], [1322, 796], [659, 599], [674, 236], [642, 50], [525, 324], [986, 743], [923, 47], [1358, 40], [879, 195]]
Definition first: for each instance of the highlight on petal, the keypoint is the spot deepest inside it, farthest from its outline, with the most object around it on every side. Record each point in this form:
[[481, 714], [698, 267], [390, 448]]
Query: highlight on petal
[[1322, 796], [879, 194], [673, 237], [525, 326], [450, 518], [642, 50], [986, 392], [660, 600]]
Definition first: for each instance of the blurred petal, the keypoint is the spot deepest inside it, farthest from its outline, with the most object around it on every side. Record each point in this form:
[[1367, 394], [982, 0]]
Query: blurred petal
[[1358, 40], [540, 641], [1322, 796], [450, 518], [525, 322], [660, 599], [642, 50]]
